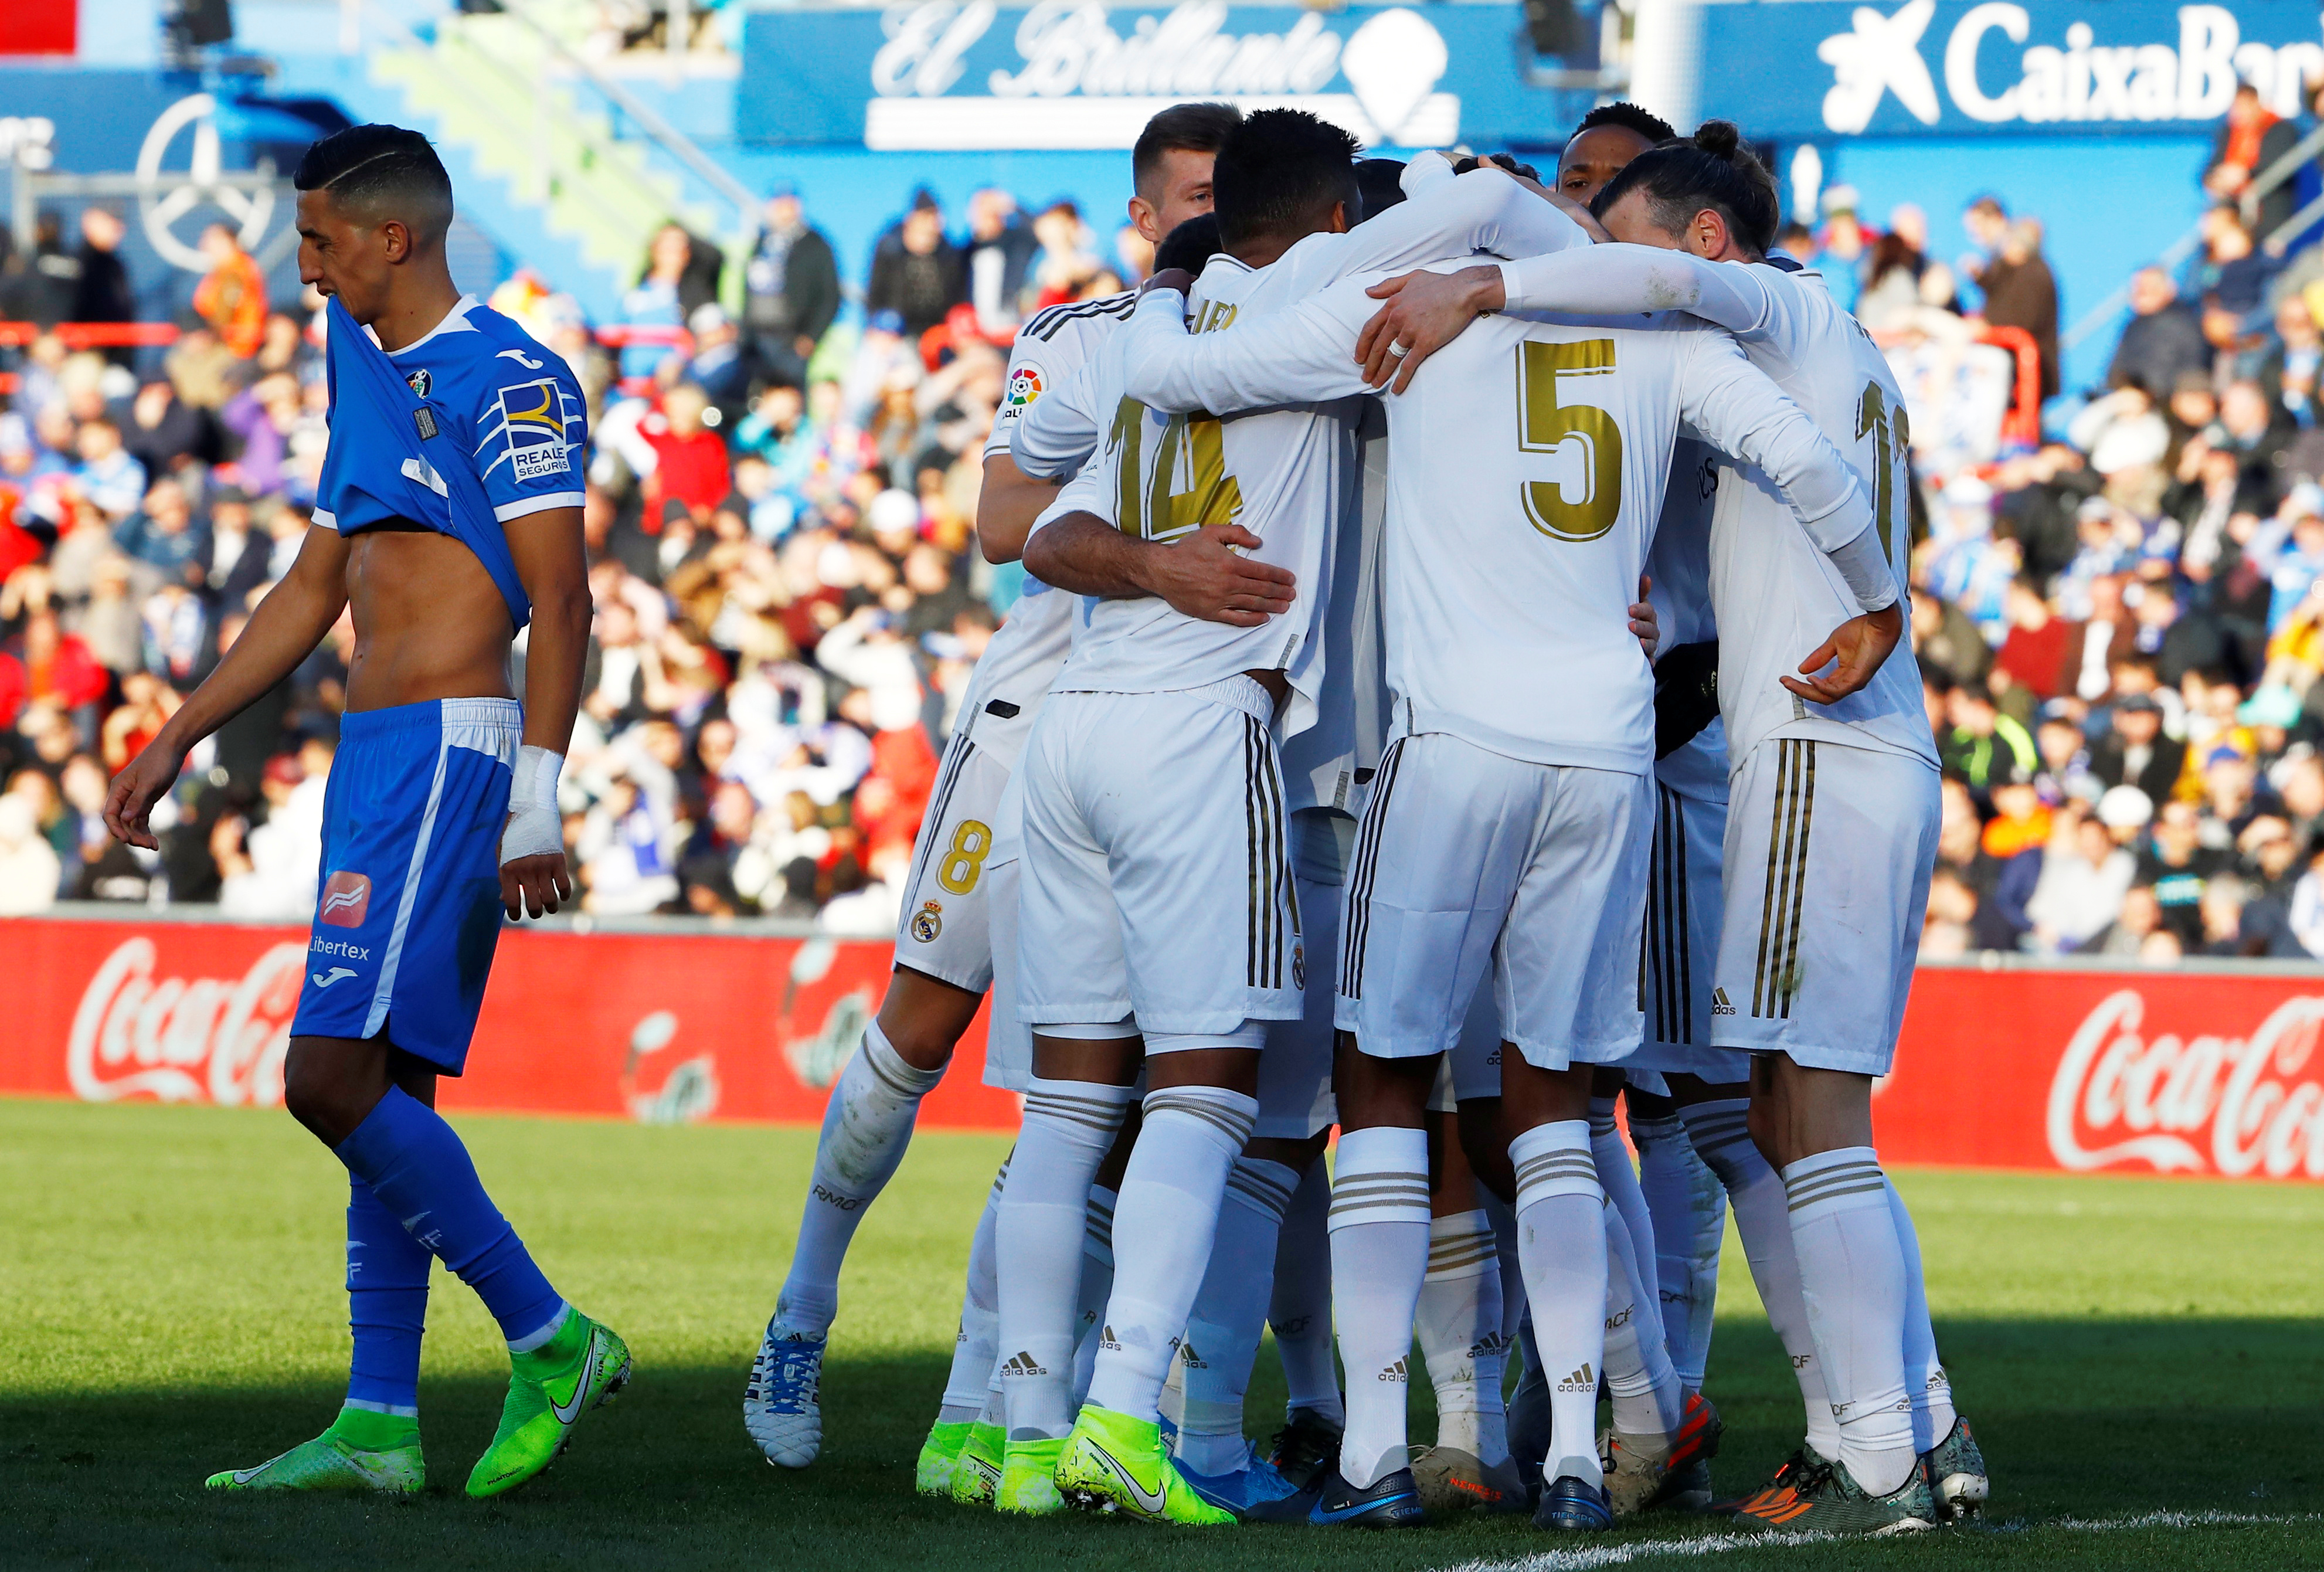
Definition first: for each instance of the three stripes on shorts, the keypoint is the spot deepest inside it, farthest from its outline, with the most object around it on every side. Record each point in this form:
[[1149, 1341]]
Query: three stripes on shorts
[[1775, 983]]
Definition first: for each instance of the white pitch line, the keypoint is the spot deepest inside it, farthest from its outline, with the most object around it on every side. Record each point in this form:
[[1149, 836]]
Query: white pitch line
[[1589, 1559]]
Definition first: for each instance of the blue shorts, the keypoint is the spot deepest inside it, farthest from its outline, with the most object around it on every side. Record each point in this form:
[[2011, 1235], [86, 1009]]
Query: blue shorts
[[408, 908]]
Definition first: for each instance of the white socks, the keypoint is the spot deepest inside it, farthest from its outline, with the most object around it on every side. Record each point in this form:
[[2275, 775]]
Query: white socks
[[1163, 1228], [1097, 1284], [1852, 1274], [1300, 1309], [1379, 1256], [866, 1126], [1561, 1241], [1229, 1312], [1458, 1323], [1925, 1380], [1620, 1181], [1648, 1406], [1722, 1139], [1689, 1209], [1039, 1237], [978, 1345]]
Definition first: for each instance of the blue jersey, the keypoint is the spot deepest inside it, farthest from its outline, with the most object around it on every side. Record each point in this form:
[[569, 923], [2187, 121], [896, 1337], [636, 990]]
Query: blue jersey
[[472, 426]]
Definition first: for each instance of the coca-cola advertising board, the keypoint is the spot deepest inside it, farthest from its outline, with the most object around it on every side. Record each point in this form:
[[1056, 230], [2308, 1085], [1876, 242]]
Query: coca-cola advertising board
[[2163, 1072], [665, 1028]]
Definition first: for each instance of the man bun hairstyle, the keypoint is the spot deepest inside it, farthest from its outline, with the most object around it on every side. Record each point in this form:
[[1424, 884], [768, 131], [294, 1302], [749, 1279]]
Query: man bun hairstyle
[[1629, 117], [1280, 175], [1716, 169], [1202, 127], [381, 172]]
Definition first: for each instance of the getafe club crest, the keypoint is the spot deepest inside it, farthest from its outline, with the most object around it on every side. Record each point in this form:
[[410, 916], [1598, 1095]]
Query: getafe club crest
[[420, 381]]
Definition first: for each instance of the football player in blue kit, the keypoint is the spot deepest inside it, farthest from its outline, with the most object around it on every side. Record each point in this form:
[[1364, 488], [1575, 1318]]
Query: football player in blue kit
[[449, 518]]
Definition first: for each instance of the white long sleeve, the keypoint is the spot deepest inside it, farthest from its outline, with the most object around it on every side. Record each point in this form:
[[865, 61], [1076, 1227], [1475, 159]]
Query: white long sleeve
[[1611, 280], [1057, 435], [1736, 408], [1305, 355], [1486, 210]]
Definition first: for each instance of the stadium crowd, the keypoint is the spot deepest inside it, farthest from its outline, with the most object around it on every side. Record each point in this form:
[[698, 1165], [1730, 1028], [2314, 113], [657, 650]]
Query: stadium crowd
[[2120, 627]]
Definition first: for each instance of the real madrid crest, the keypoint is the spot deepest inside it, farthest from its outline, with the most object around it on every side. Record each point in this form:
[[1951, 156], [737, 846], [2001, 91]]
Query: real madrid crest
[[928, 921]]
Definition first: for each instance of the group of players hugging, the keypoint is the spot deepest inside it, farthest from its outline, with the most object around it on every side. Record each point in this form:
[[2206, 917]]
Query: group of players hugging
[[1464, 605]]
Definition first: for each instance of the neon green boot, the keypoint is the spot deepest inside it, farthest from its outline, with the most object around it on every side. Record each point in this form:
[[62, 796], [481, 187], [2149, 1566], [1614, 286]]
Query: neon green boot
[[363, 1451], [549, 1389], [1113, 1461]]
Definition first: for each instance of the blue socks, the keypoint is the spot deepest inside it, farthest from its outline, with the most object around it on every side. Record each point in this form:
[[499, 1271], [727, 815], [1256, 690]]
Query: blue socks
[[418, 1170], [387, 1305]]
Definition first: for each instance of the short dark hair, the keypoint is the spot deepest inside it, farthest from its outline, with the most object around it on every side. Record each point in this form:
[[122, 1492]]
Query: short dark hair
[[1180, 129], [1629, 117], [1714, 169], [1281, 174], [385, 169], [1191, 246], [1381, 180]]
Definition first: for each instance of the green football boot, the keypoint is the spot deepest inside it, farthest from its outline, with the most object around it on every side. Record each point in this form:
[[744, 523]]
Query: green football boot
[[549, 1389], [1114, 1463], [1957, 1474], [976, 1472], [1029, 1479], [362, 1452], [938, 1454]]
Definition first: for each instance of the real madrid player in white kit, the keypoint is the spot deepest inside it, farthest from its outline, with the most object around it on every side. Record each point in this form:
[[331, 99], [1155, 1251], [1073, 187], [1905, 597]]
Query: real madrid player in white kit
[[1832, 834], [945, 959], [1508, 826], [1171, 916]]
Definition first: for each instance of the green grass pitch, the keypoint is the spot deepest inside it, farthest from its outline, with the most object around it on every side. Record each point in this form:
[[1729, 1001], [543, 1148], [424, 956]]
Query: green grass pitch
[[170, 1305]]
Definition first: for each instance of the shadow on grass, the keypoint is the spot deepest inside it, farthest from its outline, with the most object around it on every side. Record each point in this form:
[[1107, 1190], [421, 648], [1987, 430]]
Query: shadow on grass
[[2091, 1420]]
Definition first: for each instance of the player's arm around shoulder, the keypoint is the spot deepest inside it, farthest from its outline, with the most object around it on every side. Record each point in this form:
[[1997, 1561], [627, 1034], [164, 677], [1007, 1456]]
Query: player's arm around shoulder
[[1200, 574], [553, 563], [281, 631]]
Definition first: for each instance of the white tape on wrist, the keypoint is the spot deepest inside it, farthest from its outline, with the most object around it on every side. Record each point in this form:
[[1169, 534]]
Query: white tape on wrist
[[535, 828]]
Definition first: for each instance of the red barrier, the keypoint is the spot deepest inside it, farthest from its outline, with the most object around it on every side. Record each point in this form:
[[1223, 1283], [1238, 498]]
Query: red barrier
[[666, 1027], [2173, 1072]]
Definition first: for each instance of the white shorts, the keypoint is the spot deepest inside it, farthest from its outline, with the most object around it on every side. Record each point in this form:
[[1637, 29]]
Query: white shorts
[[1473, 1068], [1682, 943], [945, 928], [1007, 1041], [1295, 1074], [1470, 862], [1829, 851], [1157, 877]]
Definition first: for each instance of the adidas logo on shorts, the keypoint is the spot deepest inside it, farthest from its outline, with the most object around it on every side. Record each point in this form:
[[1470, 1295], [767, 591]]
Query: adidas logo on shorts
[[1719, 1002], [1582, 1379]]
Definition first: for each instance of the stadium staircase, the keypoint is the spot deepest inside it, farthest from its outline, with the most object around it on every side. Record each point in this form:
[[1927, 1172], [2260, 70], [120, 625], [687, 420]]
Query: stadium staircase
[[557, 163]]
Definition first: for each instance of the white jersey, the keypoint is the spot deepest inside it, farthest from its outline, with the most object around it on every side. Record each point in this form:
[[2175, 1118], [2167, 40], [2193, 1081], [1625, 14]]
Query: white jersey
[[1527, 473], [1023, 656], [1331, 764], [1287, 475], [1781, 600], [1680, 566]]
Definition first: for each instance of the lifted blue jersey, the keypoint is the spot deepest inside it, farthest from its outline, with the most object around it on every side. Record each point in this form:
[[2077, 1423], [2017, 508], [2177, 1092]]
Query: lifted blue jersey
[[470, 426]]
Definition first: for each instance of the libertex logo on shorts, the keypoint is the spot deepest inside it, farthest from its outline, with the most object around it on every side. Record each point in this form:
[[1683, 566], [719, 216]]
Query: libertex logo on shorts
[[346, 900]]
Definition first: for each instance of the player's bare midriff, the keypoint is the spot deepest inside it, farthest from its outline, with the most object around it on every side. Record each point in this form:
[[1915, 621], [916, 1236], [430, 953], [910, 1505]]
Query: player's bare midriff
[[429, 623]]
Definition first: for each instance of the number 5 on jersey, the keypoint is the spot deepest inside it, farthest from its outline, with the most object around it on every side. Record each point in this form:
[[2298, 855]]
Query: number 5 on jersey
[[1547, 426]]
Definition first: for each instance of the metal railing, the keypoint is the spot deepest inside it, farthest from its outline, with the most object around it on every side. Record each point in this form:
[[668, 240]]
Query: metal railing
[[2276, 242], [660, 131]]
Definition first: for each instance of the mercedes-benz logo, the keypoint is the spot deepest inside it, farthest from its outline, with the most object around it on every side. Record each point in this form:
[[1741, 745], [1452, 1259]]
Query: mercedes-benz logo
[[164, 197]]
